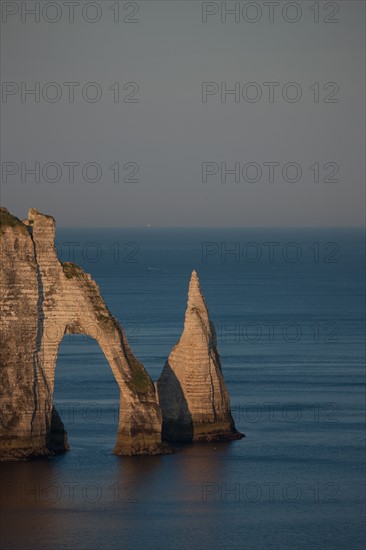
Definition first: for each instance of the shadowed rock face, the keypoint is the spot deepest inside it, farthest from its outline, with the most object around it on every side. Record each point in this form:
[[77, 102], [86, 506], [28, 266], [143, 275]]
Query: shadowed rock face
[[41, 300], [191, 389]]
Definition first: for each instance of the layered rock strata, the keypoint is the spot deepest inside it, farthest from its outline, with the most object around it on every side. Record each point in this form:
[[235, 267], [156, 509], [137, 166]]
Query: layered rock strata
[[191, 389], [41, 300]]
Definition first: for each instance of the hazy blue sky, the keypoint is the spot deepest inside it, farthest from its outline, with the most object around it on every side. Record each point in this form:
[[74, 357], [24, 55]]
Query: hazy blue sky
[[168, 52]]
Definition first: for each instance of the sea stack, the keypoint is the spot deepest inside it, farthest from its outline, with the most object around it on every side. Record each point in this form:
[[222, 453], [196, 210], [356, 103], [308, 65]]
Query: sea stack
[[191, 390]]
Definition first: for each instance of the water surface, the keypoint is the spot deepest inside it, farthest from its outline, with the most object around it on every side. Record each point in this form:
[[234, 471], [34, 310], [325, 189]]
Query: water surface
[[289, 312]]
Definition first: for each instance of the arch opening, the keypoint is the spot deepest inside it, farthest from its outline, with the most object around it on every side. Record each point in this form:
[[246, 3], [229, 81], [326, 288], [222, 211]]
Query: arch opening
[[86, 393]]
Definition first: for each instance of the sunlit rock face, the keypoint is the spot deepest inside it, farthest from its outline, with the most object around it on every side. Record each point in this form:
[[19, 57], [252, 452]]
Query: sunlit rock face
[[41, 300], [191, 389]]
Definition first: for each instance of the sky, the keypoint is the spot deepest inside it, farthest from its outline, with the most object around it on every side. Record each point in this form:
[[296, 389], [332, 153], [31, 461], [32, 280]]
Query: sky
[[132, 122]]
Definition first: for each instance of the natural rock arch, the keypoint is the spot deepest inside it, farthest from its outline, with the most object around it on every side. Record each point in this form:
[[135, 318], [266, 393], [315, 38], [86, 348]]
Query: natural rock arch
[[43, 300]]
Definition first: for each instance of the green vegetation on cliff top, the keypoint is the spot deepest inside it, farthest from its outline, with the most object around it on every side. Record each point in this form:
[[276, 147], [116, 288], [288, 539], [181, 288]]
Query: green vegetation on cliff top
[[72, 270], [8, 220]]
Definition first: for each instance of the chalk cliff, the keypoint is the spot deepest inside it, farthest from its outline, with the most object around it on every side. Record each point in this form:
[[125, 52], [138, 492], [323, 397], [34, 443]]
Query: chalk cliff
[[41, 300], [191, 389]]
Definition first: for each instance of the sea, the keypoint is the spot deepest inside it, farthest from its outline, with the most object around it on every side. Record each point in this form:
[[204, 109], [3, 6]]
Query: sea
[[289, 310]]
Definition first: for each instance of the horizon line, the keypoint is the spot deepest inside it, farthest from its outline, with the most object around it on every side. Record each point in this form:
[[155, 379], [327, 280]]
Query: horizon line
[[211, 226]]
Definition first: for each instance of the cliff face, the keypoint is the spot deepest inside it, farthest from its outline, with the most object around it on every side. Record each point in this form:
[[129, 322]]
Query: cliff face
[[41, 300], [191, 389], [19, 380]]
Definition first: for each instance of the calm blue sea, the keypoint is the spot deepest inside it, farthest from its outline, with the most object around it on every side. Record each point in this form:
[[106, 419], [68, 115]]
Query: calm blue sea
[[288, 306]]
